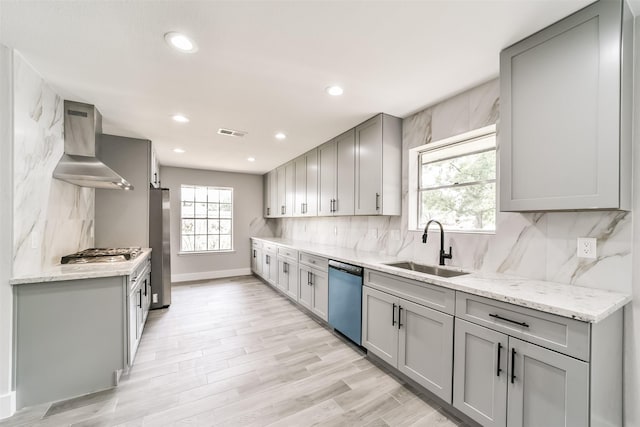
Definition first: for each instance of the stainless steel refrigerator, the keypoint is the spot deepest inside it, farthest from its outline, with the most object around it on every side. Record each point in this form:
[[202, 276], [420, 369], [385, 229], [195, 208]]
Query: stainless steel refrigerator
[[159, 240]]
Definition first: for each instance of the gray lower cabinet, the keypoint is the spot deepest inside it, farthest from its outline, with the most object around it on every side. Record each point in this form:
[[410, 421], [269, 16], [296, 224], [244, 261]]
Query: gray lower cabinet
[[269, 266], [287, 277], [416, 340], [314, 290], [256, 260], [503, 381]]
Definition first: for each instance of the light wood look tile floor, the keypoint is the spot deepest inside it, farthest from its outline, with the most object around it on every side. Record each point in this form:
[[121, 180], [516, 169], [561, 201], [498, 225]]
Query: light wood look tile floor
[[234, 352]]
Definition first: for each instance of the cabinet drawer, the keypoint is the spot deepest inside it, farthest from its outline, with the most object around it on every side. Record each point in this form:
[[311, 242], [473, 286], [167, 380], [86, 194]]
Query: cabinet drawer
[[288, 253], [269, 247], [431, 296], [557, 333], [314, 261], [255, 244]]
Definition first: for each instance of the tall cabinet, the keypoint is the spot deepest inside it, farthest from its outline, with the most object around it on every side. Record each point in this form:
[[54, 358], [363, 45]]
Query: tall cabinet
[[565, 114]]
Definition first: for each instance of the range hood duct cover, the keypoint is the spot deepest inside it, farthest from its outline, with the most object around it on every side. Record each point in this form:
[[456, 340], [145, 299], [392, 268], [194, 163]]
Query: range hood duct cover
[[79, 164]]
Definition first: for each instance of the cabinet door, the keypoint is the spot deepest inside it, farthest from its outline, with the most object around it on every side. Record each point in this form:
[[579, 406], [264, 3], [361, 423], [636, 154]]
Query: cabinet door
[[282, 276], [480, 373], [155, 170], [548, 388], [380, 324], [560, 115], [256, 261], [292, 283], [326, 177], [425, 351], [290, 179], [281, 190], [269, 266], [320, 290], [345, 152], [133, 326], [300, 184], [268, 179], [311, 203], [305, 292], [368, 167]]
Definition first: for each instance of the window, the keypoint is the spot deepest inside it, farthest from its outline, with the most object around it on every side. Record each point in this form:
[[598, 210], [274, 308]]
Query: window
[[206, 219], [457, 183]]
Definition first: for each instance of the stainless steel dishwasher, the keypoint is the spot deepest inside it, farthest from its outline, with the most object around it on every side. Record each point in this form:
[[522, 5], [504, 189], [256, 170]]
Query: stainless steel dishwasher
[[345, 299]]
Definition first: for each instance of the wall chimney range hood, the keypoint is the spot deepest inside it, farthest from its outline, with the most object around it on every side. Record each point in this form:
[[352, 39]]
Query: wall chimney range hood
[[79, 164]]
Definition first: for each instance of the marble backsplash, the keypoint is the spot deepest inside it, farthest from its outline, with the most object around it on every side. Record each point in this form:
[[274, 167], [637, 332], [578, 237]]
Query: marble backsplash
[[51, 217], [534, 245]]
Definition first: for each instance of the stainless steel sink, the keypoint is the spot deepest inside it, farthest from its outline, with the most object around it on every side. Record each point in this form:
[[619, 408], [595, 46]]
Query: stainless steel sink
[[428, 269]]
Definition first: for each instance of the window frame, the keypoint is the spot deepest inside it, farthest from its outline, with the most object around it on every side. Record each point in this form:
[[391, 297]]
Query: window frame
[[446, 148], [231, 234]]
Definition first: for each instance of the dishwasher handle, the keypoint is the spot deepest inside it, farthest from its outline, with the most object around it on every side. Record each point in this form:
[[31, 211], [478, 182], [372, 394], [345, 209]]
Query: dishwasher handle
[[346, 268]]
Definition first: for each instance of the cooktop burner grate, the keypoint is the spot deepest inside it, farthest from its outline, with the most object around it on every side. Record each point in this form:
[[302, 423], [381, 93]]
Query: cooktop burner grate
[[101, 255]]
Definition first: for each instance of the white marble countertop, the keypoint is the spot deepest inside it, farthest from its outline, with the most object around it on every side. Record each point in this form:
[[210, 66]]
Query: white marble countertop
[[576, 302], [83, 271]]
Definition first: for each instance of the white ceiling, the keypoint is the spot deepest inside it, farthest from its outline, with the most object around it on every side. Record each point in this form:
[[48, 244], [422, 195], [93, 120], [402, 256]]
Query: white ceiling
[[262, 66]]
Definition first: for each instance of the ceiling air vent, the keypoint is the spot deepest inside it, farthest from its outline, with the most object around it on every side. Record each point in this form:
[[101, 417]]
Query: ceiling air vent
[[231, 132]]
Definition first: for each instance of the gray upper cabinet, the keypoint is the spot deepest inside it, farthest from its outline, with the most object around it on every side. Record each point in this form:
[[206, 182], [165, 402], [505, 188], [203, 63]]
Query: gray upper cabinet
[[336, 162], [565, 114], [270, 194], [378, 148], [154, 173], [281, 191], [306, 184]]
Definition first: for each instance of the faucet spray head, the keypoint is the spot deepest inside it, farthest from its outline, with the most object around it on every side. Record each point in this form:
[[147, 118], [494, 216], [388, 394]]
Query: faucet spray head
[[424, 238]]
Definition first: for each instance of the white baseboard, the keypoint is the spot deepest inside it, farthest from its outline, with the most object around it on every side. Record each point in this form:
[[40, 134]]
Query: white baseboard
[[7, 404], [205, 275]]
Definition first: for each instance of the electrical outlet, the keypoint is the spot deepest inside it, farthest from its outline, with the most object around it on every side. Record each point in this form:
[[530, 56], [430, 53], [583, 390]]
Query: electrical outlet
[[586, 247], [155, 298]]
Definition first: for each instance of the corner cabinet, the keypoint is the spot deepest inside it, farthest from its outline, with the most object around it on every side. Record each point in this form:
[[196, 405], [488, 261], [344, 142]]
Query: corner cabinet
[[154, 173], [378, 158], [565, 114], [270, 194]]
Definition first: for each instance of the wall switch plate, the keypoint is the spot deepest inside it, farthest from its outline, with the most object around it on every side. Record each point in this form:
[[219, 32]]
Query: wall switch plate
[[155, 298], [34, 241], [586, 247]]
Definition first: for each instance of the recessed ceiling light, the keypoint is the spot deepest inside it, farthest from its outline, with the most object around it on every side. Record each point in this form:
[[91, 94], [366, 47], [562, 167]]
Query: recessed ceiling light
[[178, 150], [180, 42], [280, 135], [251, 159], [180, 118], [334, 90]]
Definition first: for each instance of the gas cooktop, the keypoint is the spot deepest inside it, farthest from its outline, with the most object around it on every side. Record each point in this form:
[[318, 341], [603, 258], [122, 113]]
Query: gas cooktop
[[101, 255]]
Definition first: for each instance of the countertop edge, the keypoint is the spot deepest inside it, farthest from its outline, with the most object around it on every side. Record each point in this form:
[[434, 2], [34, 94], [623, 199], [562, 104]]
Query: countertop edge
[[451, 283], [123, 268]]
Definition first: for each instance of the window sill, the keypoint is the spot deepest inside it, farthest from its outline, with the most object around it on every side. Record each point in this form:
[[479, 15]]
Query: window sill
[[207, 252]]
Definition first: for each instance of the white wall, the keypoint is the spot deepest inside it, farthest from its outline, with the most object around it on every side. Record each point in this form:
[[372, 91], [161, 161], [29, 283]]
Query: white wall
[[247, 222], [632, 311], [7, 396]]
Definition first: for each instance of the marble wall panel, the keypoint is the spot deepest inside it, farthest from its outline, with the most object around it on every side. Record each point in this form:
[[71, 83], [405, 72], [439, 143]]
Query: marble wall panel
[[534, 245], [51, 217]]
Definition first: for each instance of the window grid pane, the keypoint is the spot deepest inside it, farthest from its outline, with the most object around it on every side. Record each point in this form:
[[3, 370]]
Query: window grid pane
[[459, 191], [206, 219]]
